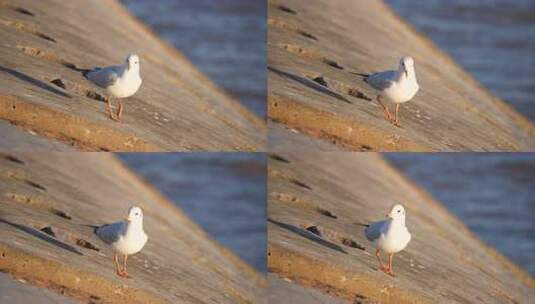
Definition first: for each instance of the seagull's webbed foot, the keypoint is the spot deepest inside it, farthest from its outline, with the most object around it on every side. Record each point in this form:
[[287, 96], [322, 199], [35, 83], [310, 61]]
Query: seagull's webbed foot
[[123, 274], [114, 118], [383, 269]]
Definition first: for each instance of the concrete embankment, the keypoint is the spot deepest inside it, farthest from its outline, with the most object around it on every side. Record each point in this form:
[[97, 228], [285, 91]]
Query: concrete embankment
[[43, 46], [46, 200], [316, 205], [316, 47]]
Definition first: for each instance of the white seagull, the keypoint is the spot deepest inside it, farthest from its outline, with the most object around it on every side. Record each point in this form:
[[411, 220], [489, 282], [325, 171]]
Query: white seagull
[[397, 86], [390, 235], [125, 237], [120, 81]]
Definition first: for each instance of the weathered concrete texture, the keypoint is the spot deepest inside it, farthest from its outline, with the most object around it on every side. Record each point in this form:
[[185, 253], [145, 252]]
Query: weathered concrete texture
[[15, 138], [46, 199], [314, 49], [316, 201], [284, 291], [19, 292], [282, 138], [44, 43]]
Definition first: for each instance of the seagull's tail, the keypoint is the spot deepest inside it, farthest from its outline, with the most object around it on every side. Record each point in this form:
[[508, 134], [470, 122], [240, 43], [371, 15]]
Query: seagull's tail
[[364, 76], [86, 71], [92, 226], [360, 74]]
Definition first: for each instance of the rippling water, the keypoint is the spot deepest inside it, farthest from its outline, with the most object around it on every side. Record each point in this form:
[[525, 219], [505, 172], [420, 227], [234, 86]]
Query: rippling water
[[492, 39], [225, 193], [492, 193], [226, 39]]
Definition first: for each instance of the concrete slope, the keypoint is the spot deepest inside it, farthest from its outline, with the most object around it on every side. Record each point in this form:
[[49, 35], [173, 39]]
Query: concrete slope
[[316, 203], [46, 200], [316, 47], [43, 46]]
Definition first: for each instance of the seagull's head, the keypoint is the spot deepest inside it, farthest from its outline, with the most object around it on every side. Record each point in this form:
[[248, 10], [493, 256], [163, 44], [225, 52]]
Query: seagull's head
[[397, 212], [132, 61], [406, 64], [135, 213]]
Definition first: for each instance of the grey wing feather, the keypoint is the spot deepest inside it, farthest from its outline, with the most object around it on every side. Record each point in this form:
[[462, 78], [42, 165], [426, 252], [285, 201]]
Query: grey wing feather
[[374, 231], [105, 77], [382, 80], [110, 233]]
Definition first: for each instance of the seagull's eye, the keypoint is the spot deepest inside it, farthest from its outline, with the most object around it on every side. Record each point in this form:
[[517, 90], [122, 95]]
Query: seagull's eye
[[399, 211]]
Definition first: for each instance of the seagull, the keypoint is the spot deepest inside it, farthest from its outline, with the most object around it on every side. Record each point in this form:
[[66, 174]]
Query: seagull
[[120, 81], [397, 86], [125, 237], [390, 236]]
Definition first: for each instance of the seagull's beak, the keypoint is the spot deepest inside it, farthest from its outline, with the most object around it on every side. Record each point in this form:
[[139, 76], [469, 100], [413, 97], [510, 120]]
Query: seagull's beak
[[127, 220], [387, 215]]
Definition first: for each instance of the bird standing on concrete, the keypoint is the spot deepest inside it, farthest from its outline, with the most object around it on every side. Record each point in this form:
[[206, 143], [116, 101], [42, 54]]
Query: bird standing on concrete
[[397, 86], [125, 237], [390, 235], [120, 81]]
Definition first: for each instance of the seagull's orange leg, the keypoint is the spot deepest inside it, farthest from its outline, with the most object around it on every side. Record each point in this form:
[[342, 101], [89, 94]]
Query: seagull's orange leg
[[396, 121], [381, 266], [120, 110], [386, 112], [110, 109], [390, 271], [124, 272], [117, 266]]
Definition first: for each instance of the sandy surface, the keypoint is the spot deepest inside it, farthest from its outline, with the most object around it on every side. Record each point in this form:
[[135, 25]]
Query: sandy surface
[[282, 138], [44, 44], [316, 47], [19, 292], [15, 138], [283, 288]]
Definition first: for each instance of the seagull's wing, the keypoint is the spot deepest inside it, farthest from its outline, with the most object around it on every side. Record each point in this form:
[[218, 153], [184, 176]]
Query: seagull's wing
[[105, 77], [110, 233], [382, 80], [374, 231]]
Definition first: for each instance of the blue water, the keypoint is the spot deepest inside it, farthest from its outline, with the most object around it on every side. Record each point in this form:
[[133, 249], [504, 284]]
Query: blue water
[[492, 193], [225, 39], [225, 193], [494, 40]]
